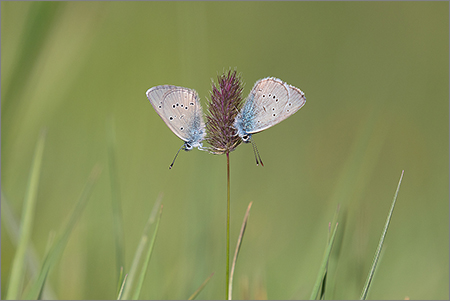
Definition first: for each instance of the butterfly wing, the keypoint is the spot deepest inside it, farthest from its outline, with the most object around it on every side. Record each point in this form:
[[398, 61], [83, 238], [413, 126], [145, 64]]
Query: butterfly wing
[[270, 101], [180, 109]]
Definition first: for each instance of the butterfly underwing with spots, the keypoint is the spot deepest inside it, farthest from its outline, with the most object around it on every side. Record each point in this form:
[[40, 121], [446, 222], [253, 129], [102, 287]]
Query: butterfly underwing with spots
[[180, 109], [270, 101]]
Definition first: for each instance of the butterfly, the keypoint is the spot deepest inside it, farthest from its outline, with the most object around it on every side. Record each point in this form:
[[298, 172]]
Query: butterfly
[[270, 101], [180, 109]]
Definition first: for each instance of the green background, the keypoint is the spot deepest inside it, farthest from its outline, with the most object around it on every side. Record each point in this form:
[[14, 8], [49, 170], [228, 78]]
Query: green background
[[375, 76]]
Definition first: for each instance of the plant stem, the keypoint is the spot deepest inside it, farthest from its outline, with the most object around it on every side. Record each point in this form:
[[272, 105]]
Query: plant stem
[[26, 223], [228, 225]]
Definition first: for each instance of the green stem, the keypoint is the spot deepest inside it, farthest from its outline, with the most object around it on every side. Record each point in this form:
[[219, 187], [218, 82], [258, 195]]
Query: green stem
[[26, 223], [228, 225]]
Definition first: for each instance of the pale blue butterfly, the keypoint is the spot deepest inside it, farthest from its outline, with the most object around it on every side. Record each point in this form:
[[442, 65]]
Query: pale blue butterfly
[[180, 109], [270, 101]]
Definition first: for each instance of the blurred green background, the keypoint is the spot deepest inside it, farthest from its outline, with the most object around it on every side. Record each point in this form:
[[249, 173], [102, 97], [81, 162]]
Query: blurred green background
[[375, 76]]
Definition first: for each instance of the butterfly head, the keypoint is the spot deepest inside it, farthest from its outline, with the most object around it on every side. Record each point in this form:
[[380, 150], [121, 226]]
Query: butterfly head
[[239, 125], [188, 146], [246, 138]]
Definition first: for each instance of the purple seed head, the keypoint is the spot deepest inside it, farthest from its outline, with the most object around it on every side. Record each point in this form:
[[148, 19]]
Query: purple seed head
[[226, 102]]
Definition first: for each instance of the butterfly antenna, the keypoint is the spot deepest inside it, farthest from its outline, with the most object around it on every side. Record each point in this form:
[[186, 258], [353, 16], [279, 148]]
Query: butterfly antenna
[[256, 152], [171, 165]]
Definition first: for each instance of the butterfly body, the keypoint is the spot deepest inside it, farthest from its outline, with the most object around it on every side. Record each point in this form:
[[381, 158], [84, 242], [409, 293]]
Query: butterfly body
[[270, 101], [180, 109]]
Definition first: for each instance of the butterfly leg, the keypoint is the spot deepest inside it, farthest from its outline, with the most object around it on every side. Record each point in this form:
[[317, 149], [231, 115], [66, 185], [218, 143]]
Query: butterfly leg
[[256, 152], [182, 147]]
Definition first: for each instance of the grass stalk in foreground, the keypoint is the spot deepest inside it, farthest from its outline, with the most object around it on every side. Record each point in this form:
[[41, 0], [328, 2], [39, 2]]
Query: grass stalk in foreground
[[323, 266], [126, 294], [195, 294], [58, 247], [380, 244], [325, 276], [10, 224], [121, 283], [115, 199], [26, 225], [226, 101], [119, 296], [238, 247], [228, 228], [144, 267]]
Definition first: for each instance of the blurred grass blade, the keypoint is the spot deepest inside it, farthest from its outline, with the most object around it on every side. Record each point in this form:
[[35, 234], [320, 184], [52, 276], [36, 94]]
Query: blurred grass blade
[[238, 247], [120, 282], [139, 250], [380, 244], [322, 270], [115, 199], [119, 296], [334, 221], [50, 240], [40, 20], [144, 267], [26, 223], [324, 281], [60, 243], [323, 284], [47, 250], [11, 226], [44, 290], [137, 258], [195, 294]]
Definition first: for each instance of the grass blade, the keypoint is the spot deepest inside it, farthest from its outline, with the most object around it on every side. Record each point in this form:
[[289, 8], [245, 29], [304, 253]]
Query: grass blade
[[26, 224], [139, 250], [60, 243], [119, 296], [238, 247], [144, 267], [323, 284], [115, 199], [324, 281], [137, 258], [323, 267], [380, 244], [11, 226], [195, 294], [120, 282], [40, 20]]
